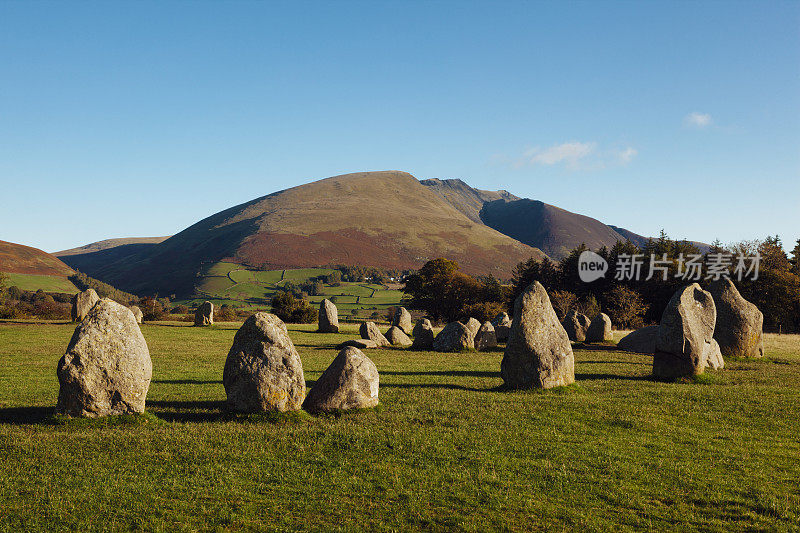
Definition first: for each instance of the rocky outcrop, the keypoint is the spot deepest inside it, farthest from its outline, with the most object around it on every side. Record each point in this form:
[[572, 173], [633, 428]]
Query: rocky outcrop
[[106, 369], [263, 371], [538, 353]]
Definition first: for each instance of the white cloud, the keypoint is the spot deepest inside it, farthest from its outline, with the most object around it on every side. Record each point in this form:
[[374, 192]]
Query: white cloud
[[576, 156], [697, 120]]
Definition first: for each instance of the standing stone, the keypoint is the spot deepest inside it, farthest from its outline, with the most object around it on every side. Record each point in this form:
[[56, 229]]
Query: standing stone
[[106, 369], [204, 316], [685, 335], [402, 319], [453, 338], [82, 303], [137, 313], [502, 326], [486, 338], [396, 337], [538, 353], [714, 359], [423, 335], [350, 382], [369, 330], [642, 340], [600, 329], [328, 317], [739, 327], [263, 371], [473, 325], [576, 324]]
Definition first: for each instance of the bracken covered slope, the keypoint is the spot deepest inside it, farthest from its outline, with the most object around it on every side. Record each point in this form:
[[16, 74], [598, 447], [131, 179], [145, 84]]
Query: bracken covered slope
[[21, 259], [383, 219]]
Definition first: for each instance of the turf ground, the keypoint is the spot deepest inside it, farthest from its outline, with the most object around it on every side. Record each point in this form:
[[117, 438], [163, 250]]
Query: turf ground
[[446, 450]]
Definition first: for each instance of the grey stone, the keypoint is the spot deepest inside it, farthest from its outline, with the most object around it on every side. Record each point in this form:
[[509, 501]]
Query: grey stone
[[263, 371], [642, 340], [350, 382], [397, 337], [576, 324], [82, 303], [423, 335], [600, 329], [739, 327], [502, 327], [538, 353], [328, 317], [369, 330], [453, 338], [402, 319], [473, 325], [204, 316], [486, 338], [107, 368], [685, 334], [137, 313]]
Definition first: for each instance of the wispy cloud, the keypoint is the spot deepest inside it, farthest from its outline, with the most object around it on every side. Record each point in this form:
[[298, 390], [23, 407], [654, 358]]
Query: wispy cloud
[[697, 120], [575, 155]]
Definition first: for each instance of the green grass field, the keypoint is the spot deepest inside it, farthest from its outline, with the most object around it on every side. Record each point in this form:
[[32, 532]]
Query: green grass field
[[446, 450], [232, 284], [34, 282]]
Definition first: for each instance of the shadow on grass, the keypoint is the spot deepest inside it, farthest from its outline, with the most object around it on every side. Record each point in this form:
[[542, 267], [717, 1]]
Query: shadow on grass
[[462, 373], [588, 376], [188, 410], [448, 386], [609, 362], [599, 347], [187, 381], [26, 415]]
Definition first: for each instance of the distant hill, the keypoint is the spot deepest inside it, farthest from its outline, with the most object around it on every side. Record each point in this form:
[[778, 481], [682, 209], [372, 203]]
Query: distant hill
[[108, 244], [32, 269], [383, 219]]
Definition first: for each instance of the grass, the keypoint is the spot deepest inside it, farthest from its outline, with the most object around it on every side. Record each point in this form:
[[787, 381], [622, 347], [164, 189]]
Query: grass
[[34, 282], [446, 450], [232, 284]]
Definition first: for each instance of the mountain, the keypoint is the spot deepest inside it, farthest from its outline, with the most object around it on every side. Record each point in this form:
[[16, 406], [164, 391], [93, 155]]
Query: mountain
[[32, 269], [108, 244], [464, 198], [383, 219]]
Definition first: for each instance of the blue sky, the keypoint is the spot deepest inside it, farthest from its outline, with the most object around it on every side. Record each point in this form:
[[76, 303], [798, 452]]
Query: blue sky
[[139, 119]]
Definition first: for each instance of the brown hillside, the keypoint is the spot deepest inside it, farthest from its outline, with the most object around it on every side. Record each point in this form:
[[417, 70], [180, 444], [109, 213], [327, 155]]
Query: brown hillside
[[384, 219], [20, 259], [108, 244]]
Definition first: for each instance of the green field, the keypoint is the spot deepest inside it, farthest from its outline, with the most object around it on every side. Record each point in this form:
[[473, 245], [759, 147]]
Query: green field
[[446, 450], [232, 284], [34, 282]]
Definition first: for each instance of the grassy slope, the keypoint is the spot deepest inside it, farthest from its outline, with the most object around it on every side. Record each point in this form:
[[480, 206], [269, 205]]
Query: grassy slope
[[34, 282], [446, 450]]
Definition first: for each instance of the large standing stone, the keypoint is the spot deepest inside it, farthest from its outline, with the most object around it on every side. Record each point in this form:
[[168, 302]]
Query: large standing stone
[[600, 329], [739, 327], [502, 326], [402, 319], [453, 338], [204, 316], [106, 369], [642, 340], [473, 325], [137, 313], [397, 337], [576, 324], [423, 335], [350, 382], [263, 371], [486, 338], [684, 342], [538, 353], [82, 303], [369, 330], [328, 317]]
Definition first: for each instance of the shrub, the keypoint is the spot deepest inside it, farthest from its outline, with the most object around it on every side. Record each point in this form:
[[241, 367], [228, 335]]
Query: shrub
[[293, 310], [625, 307], [562, 302], [225, 313], [483, 311]]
